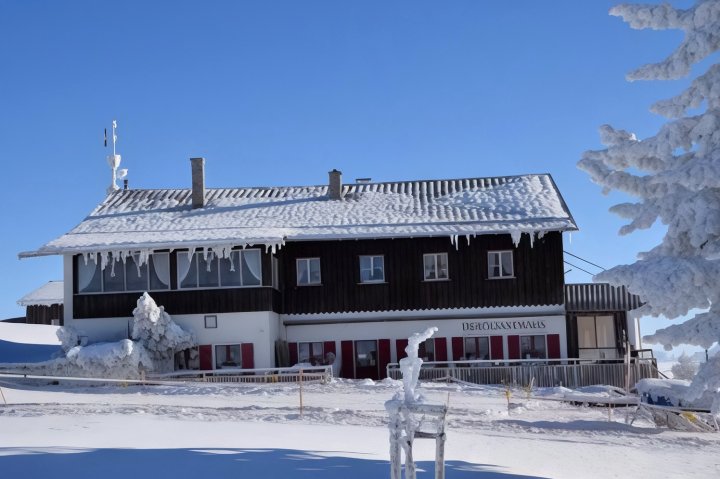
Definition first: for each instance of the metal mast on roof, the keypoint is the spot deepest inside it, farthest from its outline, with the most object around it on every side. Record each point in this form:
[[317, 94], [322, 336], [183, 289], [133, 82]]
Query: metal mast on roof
[[114, 161]]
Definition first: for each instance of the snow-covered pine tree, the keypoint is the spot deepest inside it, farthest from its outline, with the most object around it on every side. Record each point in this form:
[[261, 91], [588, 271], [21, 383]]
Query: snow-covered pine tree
[[676, 176]]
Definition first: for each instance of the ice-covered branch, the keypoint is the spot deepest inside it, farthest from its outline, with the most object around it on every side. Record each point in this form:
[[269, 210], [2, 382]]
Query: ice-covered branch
[[702, 35]]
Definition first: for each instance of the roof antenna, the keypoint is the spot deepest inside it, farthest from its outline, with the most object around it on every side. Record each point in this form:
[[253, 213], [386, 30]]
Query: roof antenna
[[114, 161]]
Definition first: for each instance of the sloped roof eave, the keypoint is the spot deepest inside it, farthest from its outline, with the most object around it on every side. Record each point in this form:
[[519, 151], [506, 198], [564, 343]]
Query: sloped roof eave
[[184, 244]]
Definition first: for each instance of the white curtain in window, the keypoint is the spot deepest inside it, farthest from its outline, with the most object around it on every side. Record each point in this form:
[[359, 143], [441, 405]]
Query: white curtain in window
[[183, 264], [586, 332], [86, 273], [605, 331], [161, 265], [507, 267], [251, 258]]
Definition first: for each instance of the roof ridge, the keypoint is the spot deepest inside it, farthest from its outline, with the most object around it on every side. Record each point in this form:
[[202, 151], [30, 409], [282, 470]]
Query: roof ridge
[[428, 180]]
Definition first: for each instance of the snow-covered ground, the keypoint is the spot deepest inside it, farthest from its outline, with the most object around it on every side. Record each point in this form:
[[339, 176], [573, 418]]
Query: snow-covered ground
[[77, 432]]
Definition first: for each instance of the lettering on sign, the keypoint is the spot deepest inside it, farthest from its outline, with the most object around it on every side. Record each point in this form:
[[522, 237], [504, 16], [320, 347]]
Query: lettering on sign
[[502, 325]]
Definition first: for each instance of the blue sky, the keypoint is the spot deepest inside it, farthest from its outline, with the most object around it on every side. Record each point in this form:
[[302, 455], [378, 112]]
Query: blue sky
[[280, 92]]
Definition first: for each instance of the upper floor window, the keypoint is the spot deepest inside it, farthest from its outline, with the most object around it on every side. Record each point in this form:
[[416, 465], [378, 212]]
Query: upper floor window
[[308, 271], [372, 269], [435, 266], [241, 268], [122, 275], [500, 264]]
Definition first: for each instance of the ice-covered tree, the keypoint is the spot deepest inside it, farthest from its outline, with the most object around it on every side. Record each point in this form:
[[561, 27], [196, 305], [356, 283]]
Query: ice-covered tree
[[685, 368], [157, 332], [675, 174]]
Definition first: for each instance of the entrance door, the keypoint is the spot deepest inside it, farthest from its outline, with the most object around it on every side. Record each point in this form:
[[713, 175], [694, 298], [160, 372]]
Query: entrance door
[[366, 359]]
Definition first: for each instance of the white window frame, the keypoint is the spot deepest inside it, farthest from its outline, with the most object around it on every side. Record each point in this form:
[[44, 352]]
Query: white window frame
[[435, 257], [216, 266], [373, 258], [491, 264], [307, 262]]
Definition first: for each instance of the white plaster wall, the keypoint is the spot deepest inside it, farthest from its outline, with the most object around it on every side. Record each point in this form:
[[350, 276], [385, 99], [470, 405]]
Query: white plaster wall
[[259, 328], [447, 328]]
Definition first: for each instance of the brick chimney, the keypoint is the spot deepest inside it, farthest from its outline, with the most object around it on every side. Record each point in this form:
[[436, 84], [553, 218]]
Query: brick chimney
[[198, 182], [335, 186]]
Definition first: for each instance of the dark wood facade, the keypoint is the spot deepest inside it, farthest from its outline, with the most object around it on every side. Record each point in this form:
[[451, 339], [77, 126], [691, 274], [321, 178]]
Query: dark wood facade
[[41, 314], [192, 301], [538, 275], [538, 280]]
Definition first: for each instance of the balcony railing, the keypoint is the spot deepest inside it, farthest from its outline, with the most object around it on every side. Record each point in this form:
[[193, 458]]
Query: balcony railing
[[571, 373]]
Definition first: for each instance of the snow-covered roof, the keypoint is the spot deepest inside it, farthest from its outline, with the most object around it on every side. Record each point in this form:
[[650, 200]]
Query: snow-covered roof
[[164, 218], [46, 295]]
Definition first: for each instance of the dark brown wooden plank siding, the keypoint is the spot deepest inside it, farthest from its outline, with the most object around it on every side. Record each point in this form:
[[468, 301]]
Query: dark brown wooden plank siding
[[538, 280], [37, 314], [196, 301], [538, 275]]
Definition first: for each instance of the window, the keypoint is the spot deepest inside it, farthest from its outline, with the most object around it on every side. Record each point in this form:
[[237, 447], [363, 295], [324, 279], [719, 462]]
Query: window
[[311, 353], [127, 275], [435, 266], [210, 321], [477, 348], [228, 356], [308, 271], [426, 350], [596, 333], [240, 268], [372, 269], [533, 347], [365, 353], [500, 264]]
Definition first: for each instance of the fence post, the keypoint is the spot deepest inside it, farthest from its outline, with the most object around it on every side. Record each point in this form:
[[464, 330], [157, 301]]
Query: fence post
[[3, 396], [440, 456], [301, 398]]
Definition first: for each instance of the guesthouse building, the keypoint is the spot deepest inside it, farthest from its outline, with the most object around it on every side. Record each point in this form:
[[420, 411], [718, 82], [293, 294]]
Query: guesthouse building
[[271, 276]]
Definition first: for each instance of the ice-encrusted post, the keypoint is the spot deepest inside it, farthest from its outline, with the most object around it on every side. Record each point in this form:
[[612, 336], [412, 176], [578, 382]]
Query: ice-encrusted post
[[411, 417]]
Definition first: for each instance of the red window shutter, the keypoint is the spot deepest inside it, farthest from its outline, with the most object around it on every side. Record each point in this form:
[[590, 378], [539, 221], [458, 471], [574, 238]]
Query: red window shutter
[[440, 349], [458, 348], [347, 361], [553, 344], [248, 356], [329, 347], [293, 353], [400, 345], [496, 347], [383, 356], [514, 347], [205, 351]]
